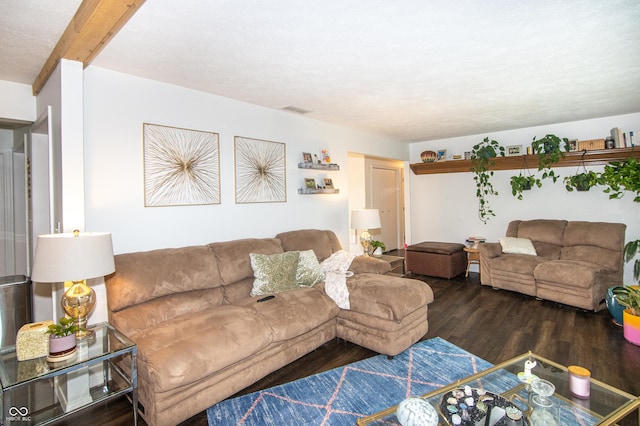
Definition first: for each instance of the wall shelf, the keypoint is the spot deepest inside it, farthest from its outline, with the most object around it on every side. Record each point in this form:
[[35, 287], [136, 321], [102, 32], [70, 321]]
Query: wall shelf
[[571, 159], [307, 191], [316, 166]]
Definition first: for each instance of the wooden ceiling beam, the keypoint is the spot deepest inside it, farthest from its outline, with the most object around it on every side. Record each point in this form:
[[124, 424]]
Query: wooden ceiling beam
[[93, 25]]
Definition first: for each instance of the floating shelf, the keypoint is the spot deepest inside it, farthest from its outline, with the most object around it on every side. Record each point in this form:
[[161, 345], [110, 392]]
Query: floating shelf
[[317, 166], [598, 157], [317, 191]]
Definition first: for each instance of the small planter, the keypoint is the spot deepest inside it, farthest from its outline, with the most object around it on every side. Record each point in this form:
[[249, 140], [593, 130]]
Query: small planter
[[582, 187], [615, 308], [631, 326], [61, 348]]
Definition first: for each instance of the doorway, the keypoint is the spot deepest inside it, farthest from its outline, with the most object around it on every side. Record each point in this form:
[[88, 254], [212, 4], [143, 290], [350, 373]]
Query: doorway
[[384, 191]]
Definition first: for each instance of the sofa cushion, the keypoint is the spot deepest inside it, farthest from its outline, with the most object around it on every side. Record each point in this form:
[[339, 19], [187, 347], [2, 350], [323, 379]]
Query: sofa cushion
[[293, 313], [387, 297], [233, 256], [598, 242], [274, 273], [548, 250], [575, 273], [185, 349], [604, 258], [517, 263], [145, 276], [308, 271], [369, 264], [543, 230], [149, 314], [517, 246], [599, 234], [323, 243]]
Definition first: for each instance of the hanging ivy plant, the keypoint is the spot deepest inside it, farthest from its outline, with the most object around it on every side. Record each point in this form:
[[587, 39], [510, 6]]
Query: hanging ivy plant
[[620, 176], [549, 150], [482, 157], [583, 180], [524, 181]]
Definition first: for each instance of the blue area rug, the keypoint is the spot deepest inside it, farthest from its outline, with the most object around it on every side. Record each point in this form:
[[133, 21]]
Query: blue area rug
[[342, 395]]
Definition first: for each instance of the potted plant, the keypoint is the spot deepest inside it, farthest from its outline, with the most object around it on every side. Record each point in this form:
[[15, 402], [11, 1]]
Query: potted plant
[[549, 150], [629, 297], [523, 183], [620, 176], [378, 247], [62, 339], [581, 181], [482, 157]]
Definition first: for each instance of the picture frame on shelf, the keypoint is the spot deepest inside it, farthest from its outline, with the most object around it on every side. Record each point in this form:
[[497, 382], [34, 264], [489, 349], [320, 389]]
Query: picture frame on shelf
[[328, 183], [514, 150], [324, 154], [306, 157], [573, 144], [467, 155], [310, 183], [441, 155]]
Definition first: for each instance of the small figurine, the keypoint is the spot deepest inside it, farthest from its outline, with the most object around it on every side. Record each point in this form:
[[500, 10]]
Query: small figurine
[[526, 375]]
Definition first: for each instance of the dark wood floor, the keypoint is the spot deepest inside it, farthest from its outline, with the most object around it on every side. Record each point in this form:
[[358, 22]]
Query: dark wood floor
[[493, 324]]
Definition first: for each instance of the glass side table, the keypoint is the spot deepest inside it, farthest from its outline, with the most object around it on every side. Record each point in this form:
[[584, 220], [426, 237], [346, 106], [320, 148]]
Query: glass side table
[[37, 392]]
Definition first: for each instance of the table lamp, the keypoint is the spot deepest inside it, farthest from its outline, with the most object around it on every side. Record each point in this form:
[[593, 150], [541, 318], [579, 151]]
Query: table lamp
[[365, 219], [74, 257]]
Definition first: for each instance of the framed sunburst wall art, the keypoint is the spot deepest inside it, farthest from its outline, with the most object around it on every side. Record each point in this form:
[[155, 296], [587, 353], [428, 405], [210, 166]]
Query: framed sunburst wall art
[[181, 166], [260, 171]]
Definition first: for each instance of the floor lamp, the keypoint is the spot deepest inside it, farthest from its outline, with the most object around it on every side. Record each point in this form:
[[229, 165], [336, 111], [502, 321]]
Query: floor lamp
[[365, 219]]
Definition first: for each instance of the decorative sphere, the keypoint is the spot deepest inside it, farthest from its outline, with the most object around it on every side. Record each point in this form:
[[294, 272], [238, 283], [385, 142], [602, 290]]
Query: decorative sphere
[[416, 412]]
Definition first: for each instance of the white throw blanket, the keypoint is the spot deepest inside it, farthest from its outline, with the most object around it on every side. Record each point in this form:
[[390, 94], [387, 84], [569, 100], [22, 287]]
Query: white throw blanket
[[336, 270]]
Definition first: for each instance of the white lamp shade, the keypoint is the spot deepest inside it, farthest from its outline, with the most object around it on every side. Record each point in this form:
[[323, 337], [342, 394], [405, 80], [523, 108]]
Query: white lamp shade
[[365, 219], [66, 257]]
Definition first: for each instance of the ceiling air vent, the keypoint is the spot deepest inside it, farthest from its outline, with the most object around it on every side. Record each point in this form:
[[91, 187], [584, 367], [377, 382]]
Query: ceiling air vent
[[296, 109]]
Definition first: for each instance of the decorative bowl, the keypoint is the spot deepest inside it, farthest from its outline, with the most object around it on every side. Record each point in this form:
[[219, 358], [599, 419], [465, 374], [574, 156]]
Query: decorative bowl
[[428, 156]]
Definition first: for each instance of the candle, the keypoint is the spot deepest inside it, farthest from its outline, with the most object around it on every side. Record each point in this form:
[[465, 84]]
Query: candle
[[579, 381]]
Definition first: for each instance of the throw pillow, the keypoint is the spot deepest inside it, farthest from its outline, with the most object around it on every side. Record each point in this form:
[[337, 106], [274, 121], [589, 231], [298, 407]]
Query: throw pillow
[[274, 273], [308, 272], [517, 246]]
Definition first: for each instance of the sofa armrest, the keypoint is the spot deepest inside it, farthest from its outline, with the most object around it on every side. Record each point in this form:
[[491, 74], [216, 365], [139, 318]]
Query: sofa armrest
[[489, 250], [369, 265]]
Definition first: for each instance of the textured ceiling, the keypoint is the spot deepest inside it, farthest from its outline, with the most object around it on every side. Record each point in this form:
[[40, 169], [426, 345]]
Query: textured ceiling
[[410, 70], [29, 30]]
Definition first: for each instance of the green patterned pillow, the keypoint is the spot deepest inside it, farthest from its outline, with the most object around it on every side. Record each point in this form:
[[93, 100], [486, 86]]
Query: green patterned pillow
[[274, 273], [308, 272]]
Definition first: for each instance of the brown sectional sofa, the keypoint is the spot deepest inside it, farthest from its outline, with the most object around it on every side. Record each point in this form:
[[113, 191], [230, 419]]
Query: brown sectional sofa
[[575, 263], [201, 337]]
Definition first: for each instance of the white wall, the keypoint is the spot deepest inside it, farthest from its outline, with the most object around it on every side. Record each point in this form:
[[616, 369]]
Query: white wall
[[17, 102], [116, 106], [444, 206]]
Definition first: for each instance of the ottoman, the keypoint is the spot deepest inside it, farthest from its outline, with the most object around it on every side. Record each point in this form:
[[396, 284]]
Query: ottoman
[[444, 260]]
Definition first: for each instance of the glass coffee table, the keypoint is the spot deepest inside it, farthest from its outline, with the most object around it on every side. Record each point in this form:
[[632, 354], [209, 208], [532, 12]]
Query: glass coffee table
[[606, 405], [38, 392]]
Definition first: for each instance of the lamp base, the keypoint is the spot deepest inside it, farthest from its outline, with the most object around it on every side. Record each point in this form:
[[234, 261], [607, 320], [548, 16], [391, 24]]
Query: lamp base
[[365, 241], [85, 334]]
